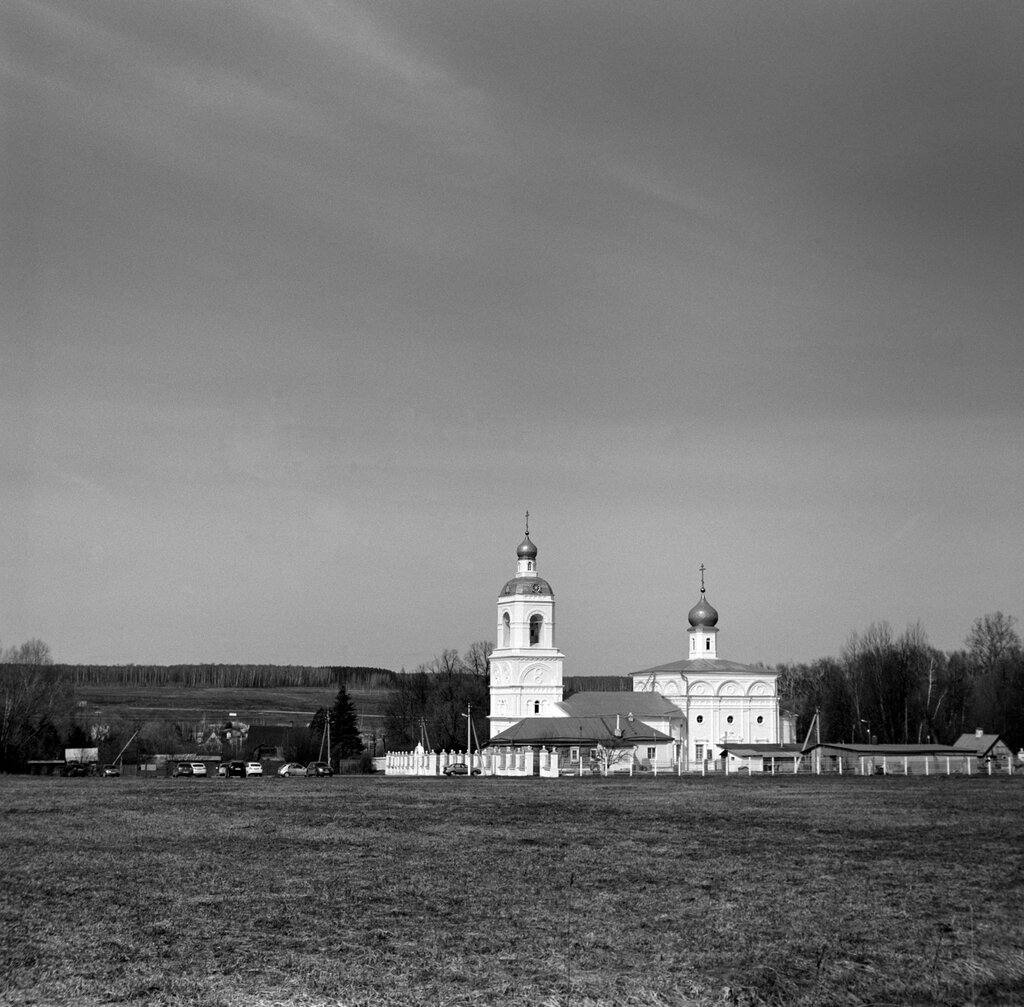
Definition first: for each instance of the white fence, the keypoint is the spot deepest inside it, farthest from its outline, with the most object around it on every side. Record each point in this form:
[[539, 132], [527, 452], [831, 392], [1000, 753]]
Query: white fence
[[545, 763], [490, 762]]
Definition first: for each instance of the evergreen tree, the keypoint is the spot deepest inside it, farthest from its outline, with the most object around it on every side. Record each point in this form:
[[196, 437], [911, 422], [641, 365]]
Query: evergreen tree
[[346, 743]]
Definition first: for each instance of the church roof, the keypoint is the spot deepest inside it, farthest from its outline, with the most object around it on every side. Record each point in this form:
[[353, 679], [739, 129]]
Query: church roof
[[527, 585], [550, 731], [703, 666], [640, 704]]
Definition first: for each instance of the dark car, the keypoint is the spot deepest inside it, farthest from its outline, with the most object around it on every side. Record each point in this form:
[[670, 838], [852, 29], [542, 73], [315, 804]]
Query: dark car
[[459, 769], [75, 769], [183, 769], [319, 769], [111, 770], [235, 768]]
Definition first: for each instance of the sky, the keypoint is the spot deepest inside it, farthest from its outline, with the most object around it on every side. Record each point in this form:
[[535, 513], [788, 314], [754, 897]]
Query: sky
[[304, 305]]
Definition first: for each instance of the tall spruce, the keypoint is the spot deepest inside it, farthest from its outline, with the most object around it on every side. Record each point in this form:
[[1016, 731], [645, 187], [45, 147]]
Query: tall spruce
[[346, 743]]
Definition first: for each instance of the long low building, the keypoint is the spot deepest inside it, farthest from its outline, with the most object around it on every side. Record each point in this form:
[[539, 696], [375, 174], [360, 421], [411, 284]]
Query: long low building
[[920, 760]]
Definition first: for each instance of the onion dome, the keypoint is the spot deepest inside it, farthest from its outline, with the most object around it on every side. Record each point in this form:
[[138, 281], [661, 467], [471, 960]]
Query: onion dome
[[526, 550], [703, 613]]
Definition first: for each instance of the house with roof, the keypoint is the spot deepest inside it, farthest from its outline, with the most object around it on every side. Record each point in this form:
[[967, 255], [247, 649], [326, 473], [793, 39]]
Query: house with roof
[[591, 727]]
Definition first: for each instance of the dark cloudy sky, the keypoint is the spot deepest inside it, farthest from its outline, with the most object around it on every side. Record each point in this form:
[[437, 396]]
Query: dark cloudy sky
[[304, 304]]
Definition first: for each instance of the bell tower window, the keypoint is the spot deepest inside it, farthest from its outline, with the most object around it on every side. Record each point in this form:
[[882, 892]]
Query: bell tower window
[[505, 629], [536, 621]]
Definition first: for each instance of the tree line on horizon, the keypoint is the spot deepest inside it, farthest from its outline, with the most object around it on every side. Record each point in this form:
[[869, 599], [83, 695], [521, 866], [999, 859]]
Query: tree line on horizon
[[227, 676], [897, 689], [884, 687]]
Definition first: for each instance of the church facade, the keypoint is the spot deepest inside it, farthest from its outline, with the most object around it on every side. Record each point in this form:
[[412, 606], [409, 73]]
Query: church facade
[[681, 713]]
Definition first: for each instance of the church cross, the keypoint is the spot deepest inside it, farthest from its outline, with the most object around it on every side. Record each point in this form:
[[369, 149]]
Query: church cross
[[702, 569], [527, 522]]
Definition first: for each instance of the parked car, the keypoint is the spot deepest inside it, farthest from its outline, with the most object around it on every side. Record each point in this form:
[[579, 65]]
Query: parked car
[[183, 769], [75, 769], [222, 769], [292, 769], [319, 769], [111, 770], [254, 769], [198, 768], [459, 769], [235, 768]]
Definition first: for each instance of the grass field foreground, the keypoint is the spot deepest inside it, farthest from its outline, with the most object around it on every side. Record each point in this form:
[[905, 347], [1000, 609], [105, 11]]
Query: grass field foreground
[[370, 891]]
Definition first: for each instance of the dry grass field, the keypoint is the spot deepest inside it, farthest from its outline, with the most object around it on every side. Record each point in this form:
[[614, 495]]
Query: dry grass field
[[590, 893]]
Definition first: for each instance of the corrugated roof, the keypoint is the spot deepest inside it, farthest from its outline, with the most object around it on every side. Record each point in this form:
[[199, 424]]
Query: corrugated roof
[[640, 704], [978, 746], [751, 751], [577, 731], [853, 749]]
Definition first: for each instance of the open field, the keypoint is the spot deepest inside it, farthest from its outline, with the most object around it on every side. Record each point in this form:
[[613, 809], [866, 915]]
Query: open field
[[592, 892], [265, 705]]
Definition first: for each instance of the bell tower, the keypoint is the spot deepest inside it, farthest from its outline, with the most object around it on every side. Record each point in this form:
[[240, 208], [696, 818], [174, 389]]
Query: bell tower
[[526, 669]]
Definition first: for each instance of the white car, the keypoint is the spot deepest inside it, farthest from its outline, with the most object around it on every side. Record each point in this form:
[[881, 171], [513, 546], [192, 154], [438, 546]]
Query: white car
[[198, 768], [292, 769], [254, 769]]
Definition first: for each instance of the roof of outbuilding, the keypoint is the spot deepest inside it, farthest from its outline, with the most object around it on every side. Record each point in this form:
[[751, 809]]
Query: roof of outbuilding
[[980, 745], [577, 731], [866, 750], [752, 751], [640, 704]]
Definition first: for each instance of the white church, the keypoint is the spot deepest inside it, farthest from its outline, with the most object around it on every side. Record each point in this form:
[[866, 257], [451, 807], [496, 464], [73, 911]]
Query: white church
[[683, 713]]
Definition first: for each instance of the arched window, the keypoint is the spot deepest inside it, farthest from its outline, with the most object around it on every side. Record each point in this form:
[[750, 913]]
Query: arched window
[[536, 706], [536, 621], [505, 629], [707, 644]]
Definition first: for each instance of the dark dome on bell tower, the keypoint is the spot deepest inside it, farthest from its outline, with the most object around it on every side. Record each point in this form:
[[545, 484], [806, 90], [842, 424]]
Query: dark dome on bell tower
[[703, 613]]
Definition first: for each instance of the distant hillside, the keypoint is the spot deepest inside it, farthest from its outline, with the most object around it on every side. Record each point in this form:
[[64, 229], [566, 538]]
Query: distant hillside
[[255, 694], [228, 676]]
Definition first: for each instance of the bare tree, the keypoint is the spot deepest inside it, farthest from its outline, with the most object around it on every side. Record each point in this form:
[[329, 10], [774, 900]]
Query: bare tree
[[477, 659], [32, 651], [991, 638], [31, 694]]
